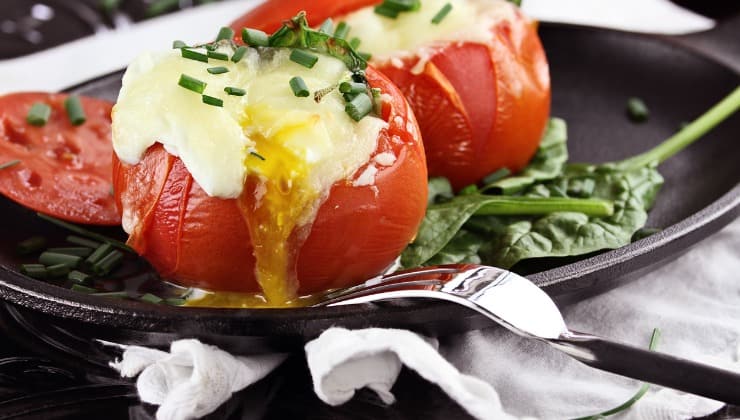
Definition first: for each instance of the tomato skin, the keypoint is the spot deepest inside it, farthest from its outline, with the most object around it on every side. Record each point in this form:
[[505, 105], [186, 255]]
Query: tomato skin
[[204, 242], [489, 116], [65, 170]]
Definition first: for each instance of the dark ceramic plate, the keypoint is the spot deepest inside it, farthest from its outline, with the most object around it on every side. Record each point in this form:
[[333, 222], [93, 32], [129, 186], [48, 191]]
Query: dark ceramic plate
[[594, 72]]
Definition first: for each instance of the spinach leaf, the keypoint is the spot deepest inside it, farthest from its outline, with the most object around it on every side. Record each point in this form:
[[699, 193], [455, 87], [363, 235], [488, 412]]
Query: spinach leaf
[[462, 248]]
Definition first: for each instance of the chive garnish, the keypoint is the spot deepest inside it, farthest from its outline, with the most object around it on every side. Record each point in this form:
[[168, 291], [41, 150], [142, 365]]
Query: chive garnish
[[355, 42], [175, 301], [84, 232], [177, 44], [637, 110], [193, 55], [78, 277], [52, 258], [327, 27], [217, 70], [77, 251], [299, 87], [108, 263], [239, 54], [391, 8], [257, 155], [352, 87], [210, 100], [82, 289], [386, 11], [443, 12], [342, 30], [359, 107], [218, 56], [74, 110], [255, 38], [97, 255], [233, 91], [225, 33], [82, 241], [37, 271], [191, 83], [150, 298], [58, 270], [39, 114], [304, 58], [10, 164], [31, 245], [113, 295]]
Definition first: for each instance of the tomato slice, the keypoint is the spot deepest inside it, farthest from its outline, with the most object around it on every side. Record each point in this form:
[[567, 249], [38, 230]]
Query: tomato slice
[[64, 170]]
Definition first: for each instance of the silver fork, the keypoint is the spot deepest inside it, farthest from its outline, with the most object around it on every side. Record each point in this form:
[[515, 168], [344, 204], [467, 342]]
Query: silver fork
[[517, 304]]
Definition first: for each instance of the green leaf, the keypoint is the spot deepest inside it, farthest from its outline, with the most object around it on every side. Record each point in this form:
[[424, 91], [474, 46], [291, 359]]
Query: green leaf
[[439, 190], [463, 248], [546, 164]]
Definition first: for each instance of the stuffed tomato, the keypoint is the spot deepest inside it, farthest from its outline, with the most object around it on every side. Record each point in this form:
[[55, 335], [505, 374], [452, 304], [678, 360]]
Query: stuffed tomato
[[249, 171], [474, 72]]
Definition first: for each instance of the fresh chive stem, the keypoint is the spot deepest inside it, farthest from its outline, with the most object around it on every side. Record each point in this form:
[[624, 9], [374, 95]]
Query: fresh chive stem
[[109, 263], [97, 255], [355, 42], [255, 38], [352, 87], [150, 298], [84, 232], [213, 101], [507, 206], [193, 55], [443, 12], [39, 114], [327, 27], [239, 53], [217, 70], [82, 289], [233, 91], [637, 111], [299, 87], [31, 245], [175, 301], [58, 270], [78, 277], [36, 271], [75, 112], [342, 30], [225, 33], [359, 107], [383, 10], [304, 58], [83, 252], [77, 240], [10, 164], [689, 134], [218, 55], [191, 83], [52, 258], [113, 295]]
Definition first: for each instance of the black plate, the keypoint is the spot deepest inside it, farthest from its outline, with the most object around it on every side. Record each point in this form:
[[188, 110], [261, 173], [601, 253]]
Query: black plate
[[594, 72]]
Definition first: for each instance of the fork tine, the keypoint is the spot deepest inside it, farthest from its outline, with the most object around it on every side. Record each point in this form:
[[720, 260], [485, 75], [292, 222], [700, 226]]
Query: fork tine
[[378, 288]]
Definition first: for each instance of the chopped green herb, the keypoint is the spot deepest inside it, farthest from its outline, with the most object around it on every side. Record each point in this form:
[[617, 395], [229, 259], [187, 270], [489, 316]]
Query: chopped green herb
[[31, 245], [255, 38], [10, 164], [327, 27], [82, 289], [97, 255], [175, 301], [77, 251], [496, 176], [84, 232], [304, 58], [37, 271], [109, 263], [359, 107], [637, 110], [391, 8], [158, 7], [218, 56], [78, 277], [58, 270], [239, 54], [355, 42], [150, 298], [75, 112], [39, 114], [177, 44], [299, 87], [233, 91], [52, 258], [191, 83], [193, 55], [225, 33], [109, 6], [210, 100], [383, 10], [82, 241], [352, 87], [113, 295], [257, 155], [217, 70], [342, 30], [443, 12]]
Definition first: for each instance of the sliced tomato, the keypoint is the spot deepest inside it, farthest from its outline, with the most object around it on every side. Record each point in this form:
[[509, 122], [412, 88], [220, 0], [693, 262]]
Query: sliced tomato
[[203, 241], [481, 106], [64, 170]]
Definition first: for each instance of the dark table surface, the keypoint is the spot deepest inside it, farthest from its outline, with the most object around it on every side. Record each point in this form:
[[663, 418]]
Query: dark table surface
[[48, 372]]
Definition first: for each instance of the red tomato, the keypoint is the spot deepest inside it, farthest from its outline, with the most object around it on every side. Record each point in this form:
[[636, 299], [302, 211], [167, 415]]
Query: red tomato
[[475, 118], [202, 241], [64, 170]]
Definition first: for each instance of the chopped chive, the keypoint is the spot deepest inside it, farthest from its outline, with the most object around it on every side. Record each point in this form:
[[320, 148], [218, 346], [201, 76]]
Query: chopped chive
[[37, 271], [52, 258], [365, 56], [383, 10], [239, 54], [225, 33], [58, 270], [10, 164], [257, 155], [191, 83], [496, 176], [150, 298], [355, 42], [403, 5], [342, 30], [74, 110], [84, 232], [177, 44], [76, 251], [327, 27], [82, 289], [210, 100], [359, 107], [211, 47], [97, 255], [299, 87], [113, 295], [217, 70], [193, 55], [304, 58], [352, 87], [637, 110], [255, 38], [78, 277], [82, 241], [175, 301], [39, 114], [109, 263], [218, 56], [443, 12], [31, 245], [233, 91]]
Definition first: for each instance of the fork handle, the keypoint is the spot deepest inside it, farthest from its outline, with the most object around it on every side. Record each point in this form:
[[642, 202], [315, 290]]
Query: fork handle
[[649, 366]]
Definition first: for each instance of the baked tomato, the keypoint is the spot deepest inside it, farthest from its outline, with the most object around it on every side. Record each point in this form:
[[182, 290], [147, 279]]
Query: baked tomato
[[358, 231], [63, 170], [481, 99]]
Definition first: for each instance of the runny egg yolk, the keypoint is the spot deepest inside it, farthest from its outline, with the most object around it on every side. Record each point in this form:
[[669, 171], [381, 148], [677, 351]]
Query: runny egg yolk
[[275, 153]]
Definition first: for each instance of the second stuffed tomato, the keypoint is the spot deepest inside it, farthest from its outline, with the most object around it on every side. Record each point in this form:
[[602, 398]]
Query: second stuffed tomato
[[235, 177], [477, 79]]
